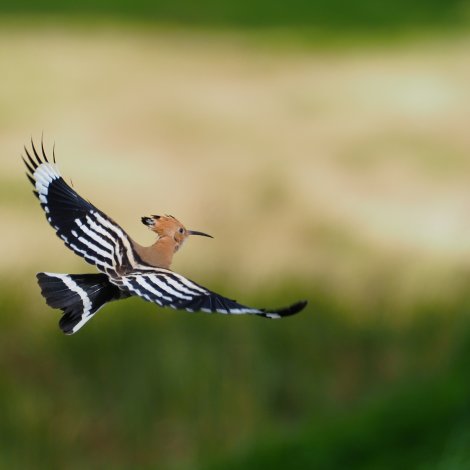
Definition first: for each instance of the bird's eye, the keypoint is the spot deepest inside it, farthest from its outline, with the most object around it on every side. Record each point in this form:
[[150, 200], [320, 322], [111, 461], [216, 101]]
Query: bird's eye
[[181, 230]]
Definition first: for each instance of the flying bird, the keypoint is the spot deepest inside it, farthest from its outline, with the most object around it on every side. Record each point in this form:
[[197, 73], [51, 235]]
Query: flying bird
[[126, 267]]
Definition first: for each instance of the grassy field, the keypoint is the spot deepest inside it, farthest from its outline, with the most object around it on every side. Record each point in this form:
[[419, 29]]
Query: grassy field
[[144, 388], [336, 175]]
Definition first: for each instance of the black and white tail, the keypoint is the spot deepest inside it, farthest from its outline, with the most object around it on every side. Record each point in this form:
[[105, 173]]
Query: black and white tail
[[79, 296]]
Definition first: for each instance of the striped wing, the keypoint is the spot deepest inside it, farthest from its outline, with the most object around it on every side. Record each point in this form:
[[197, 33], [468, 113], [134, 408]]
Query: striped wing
[[86, 230], [169, 289]]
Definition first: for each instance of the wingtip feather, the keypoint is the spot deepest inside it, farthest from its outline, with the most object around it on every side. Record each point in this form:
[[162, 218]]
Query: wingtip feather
[[286, 311], [36, 153], [42, 148]]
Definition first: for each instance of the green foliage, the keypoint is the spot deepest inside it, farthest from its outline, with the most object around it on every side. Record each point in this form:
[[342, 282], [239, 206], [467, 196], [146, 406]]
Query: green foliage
[[141, 387], [337, 15], [421, 425]]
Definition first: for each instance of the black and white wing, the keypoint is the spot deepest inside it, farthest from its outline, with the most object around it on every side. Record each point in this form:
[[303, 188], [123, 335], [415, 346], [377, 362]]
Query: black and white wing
[[169, 289], [86, 230]]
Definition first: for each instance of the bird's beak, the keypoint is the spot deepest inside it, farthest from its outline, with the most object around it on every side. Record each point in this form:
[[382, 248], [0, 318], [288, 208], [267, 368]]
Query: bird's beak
[[195, 232], [148, 221]]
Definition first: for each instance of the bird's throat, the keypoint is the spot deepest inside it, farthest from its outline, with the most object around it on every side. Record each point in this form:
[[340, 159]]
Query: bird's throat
[[160, 254]]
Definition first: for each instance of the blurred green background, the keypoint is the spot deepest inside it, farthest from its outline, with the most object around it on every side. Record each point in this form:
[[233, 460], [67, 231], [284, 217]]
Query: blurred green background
[[326, 146]]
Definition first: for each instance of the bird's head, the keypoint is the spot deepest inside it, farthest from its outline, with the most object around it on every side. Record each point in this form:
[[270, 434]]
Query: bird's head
[[168, 226]]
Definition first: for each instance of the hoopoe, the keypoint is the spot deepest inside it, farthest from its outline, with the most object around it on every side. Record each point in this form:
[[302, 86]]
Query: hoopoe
[[126, 268]]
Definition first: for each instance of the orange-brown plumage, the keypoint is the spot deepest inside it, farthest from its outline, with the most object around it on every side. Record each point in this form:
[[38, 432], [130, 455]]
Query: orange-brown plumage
[[171, 236]]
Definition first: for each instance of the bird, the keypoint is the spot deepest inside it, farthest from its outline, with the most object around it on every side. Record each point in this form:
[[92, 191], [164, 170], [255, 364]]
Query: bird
[[125, 267]]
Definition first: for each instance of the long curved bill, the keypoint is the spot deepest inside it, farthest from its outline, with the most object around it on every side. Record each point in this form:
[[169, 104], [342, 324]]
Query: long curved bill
[[195, 232]]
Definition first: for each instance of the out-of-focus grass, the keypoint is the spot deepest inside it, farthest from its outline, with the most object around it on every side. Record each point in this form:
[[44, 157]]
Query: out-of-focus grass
[[338, 16], [418, 420], [421, 425], [146, 387]]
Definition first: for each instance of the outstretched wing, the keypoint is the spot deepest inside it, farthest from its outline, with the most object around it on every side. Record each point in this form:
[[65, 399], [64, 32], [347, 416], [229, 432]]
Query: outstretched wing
[[168, 289], [86, 230]]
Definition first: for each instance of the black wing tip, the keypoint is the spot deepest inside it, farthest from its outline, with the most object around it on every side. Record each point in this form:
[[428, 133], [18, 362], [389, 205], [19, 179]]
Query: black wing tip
[[32, 164], [288, 311], [42, 149], [299, 306], [38, 159], [295, 308], [31, 179]]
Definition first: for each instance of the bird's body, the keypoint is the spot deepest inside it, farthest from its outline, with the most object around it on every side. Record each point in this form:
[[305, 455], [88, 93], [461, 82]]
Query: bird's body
[[126, 267]]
